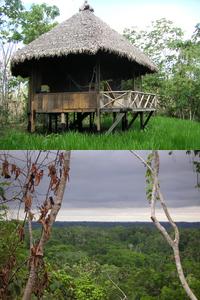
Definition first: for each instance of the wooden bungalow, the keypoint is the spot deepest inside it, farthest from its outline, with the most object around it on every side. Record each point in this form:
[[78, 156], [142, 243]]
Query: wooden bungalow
[[78, 67]]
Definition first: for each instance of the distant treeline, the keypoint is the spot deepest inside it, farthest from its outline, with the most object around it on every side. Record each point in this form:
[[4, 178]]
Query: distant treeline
[[115, 224]]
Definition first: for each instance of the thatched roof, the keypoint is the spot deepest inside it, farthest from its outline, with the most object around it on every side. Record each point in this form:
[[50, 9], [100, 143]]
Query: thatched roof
[[82, 33]]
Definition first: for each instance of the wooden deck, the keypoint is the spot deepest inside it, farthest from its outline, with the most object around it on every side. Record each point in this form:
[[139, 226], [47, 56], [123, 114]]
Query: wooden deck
[[115, 101], [92, 104], [121, 103]]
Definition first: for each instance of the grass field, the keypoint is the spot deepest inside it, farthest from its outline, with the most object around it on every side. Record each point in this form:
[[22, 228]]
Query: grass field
[[161, 133]]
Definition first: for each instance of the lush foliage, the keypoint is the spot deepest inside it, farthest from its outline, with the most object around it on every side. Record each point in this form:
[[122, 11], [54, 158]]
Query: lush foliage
[[161, 133], [178, 61], [134, 259], [19, 25]]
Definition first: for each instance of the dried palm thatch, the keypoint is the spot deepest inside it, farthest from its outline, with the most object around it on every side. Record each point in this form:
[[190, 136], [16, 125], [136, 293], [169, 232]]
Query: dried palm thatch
[[82, 33]]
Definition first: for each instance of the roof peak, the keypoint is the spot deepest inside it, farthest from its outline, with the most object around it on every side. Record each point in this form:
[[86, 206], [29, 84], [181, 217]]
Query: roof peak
[[86, 6]]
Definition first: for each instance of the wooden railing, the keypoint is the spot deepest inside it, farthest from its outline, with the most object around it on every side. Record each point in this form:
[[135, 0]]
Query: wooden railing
[[128, 99], [91, 101]]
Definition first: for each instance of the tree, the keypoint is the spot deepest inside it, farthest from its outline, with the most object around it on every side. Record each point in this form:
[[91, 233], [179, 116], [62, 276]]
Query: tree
[[153, 195], [10, 12], [183, 86], [38, 20], [157, 42], [178, 61], [19, 25], [24, 184]]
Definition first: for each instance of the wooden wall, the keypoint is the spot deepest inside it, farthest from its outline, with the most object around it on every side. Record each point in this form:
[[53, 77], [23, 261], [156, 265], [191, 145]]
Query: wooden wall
[[65, 102]]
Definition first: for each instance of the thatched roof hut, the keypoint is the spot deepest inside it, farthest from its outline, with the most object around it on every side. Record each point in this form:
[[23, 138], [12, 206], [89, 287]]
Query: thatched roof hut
[[72, 60], [85, 36]]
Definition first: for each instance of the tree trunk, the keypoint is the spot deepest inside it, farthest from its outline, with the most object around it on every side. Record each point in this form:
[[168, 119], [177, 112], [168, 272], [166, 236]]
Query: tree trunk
[[36, 256], [156, 194], [181, 274], [30, 283]]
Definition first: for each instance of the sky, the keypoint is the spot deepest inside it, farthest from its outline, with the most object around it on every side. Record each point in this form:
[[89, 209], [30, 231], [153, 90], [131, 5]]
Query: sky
[[130, 13], [110, 186]]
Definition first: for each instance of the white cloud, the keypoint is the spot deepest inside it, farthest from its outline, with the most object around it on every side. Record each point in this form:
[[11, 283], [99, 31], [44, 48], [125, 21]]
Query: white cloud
[[183, 214], [189, 214]]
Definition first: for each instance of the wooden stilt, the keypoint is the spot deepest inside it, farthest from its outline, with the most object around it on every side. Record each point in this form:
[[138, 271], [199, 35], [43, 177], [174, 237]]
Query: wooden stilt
[[33, 119], [79, 120], [43, 120], [126, 119], [91, 121], [114, 125], [98, 120], [56, 122], [142, 120], [63, 121], [97, 88], [124, 122], [67, 121], [114, 116], [147, 119], [133, 120], [50, 123], [34, 86]]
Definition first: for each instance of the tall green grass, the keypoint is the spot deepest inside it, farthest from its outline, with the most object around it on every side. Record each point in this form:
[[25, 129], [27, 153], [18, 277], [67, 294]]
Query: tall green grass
[[161, 133]]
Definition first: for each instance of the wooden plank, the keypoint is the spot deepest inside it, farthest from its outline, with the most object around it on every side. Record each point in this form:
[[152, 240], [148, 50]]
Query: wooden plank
[[148, 99], [140, 103], [118, 119], [126, 109]]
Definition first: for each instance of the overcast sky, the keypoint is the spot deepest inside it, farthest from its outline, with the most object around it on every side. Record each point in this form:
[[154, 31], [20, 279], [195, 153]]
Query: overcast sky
[[127, 13], [110, 186]]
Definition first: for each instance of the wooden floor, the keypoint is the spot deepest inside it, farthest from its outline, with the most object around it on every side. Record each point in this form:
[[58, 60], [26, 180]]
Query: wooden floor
[[118, 110]]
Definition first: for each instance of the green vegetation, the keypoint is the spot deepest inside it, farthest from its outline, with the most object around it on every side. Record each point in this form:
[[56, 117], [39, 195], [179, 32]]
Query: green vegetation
[[90, 262], [19, 25], [178, 78], [161, 133]]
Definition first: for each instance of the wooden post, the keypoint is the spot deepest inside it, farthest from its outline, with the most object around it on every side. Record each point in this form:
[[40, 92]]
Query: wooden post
[[98, 81], [135, 115], [43, 122], [91, 121], [31, 119], [74, 119], [67, 121], [141, 120], [34, 86], [63, 121], [79, 120], [50, 123], [114, 116], [56, 122], [124, 122], [98, 120]]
